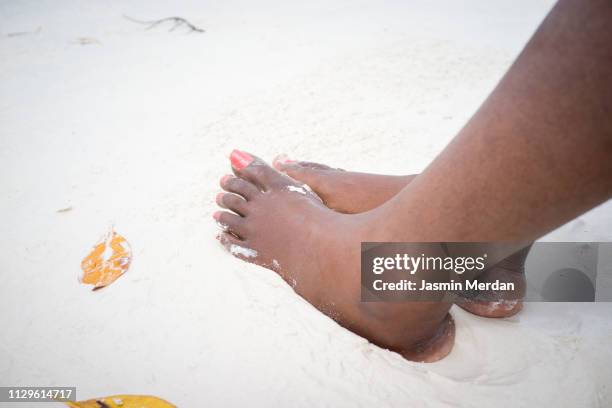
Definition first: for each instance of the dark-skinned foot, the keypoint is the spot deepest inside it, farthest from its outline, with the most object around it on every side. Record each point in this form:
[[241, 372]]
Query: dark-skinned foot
[[492, 303], [278, 223], [344, 191], [353, 192]]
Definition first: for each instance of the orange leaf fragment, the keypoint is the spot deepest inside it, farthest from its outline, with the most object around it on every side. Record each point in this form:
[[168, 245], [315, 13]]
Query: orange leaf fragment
[[108, 260]]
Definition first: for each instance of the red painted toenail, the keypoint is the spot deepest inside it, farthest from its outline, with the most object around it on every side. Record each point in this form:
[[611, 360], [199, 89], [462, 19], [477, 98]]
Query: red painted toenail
[[240, 159], [217, 215], [218, 197], [280, 160]]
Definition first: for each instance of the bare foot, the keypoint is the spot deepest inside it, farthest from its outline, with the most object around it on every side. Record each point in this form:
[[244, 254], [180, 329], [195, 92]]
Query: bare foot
[[353, 192], [344, 191], [499, 304], [280, 224]]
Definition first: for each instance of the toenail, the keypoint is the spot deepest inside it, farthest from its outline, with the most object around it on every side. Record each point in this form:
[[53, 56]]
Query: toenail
[[240, 159], [281, 159], [218, 197], [216, 215], [225, 178]]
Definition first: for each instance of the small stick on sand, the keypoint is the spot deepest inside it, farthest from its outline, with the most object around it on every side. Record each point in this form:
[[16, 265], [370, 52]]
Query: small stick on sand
[[177, 22]]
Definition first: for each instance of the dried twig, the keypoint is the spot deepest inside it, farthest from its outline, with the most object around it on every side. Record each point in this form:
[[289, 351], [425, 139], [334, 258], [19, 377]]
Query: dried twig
[[176, 22]]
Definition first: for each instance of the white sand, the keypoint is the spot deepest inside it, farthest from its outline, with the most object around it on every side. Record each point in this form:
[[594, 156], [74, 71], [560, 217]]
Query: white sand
[[133, 130]]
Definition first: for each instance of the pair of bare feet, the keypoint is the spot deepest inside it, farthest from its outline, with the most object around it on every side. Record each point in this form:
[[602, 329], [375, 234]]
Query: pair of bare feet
[[305, 221]]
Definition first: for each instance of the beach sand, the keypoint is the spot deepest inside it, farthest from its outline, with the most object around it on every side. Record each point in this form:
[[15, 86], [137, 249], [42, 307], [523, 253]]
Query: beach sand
[[131, 127]]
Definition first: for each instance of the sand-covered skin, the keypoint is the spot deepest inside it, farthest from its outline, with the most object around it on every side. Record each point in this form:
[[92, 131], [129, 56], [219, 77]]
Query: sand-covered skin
[[133, 130]]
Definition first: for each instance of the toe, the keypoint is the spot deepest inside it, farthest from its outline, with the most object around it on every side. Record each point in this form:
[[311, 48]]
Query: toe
[[255, 170], [232, 202], [282, 162], [239, 186], [226, 239], [231, 223], [310, 175], [237, 248]]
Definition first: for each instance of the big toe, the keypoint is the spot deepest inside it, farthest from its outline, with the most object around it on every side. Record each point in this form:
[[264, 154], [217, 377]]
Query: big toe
[[282, 162], [257, 171], [307, 172]]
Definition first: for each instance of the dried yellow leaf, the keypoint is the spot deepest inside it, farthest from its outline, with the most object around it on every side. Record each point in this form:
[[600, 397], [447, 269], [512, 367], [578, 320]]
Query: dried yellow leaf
[[123, 401]]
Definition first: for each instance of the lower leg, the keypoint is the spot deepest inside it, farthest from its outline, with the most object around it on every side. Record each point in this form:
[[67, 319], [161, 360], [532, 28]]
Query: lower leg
[[537, 153]]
